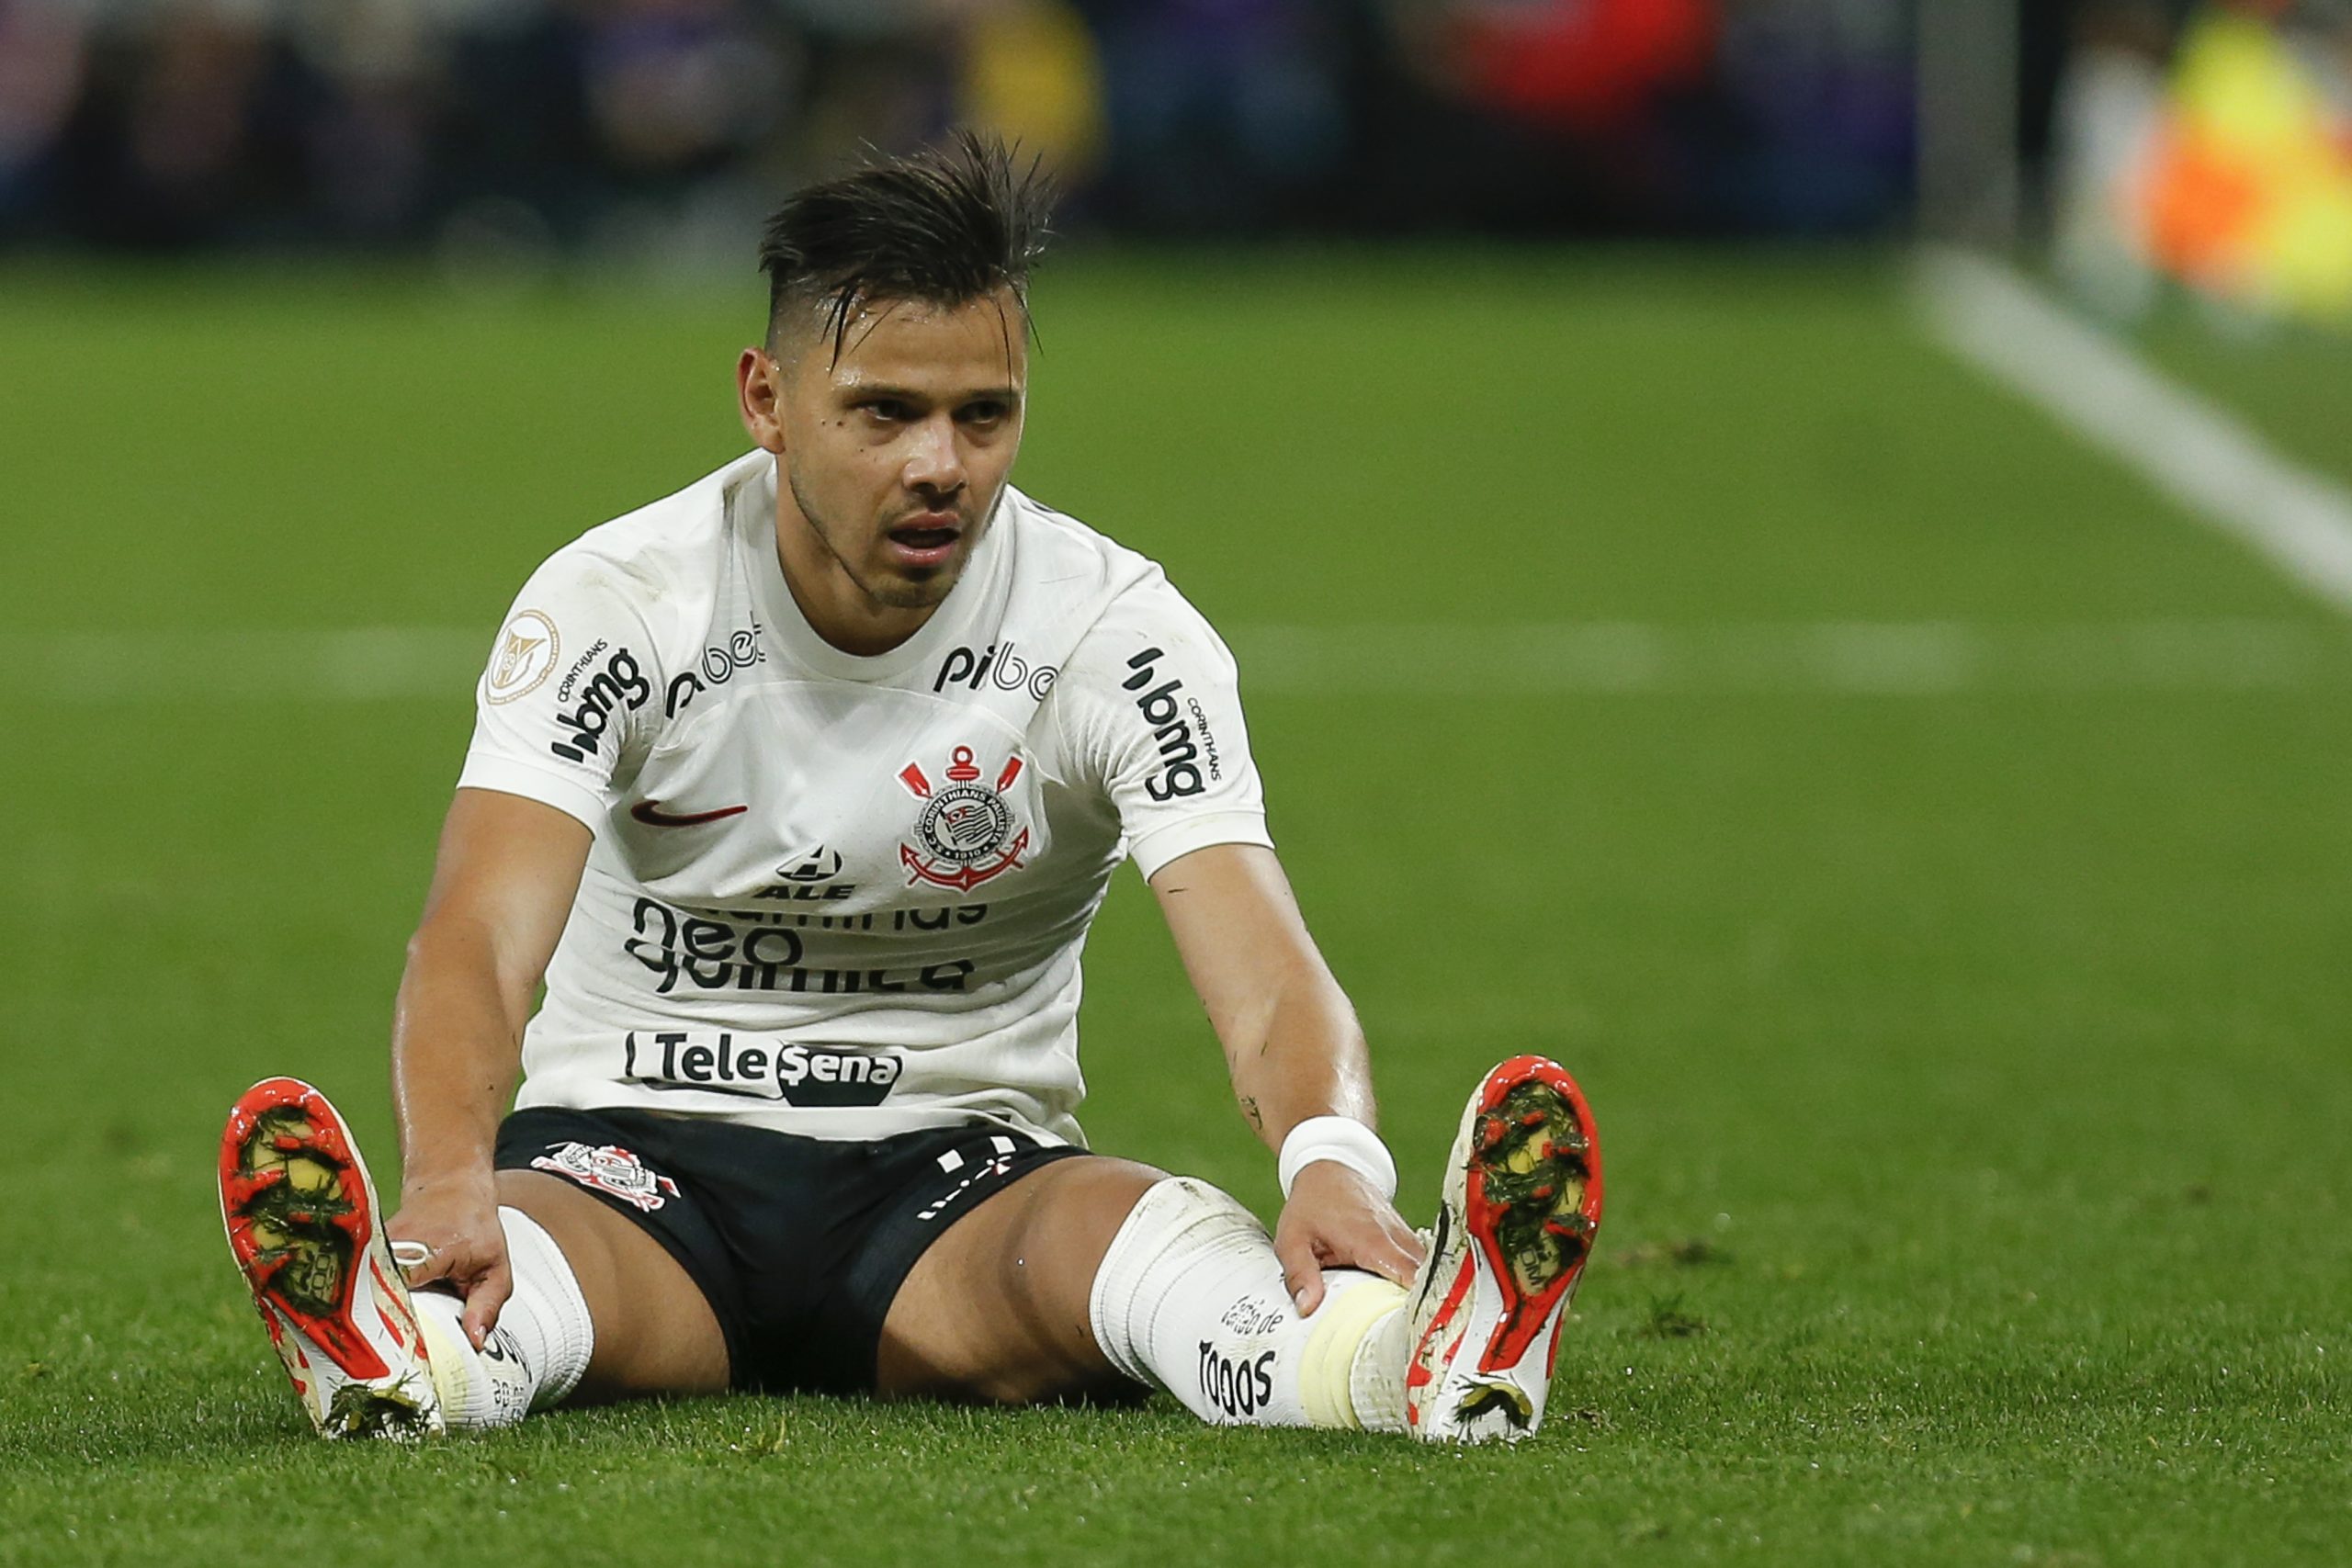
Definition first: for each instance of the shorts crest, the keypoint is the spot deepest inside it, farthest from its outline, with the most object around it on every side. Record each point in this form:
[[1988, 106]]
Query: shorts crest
[[610, 1169]]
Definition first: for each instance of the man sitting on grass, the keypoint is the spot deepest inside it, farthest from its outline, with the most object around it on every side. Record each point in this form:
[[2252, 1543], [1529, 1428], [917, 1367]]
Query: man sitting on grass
[[799, 789]]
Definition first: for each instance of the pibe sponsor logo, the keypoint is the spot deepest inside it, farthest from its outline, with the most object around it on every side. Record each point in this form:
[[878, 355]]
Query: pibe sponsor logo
[[619, 686], [1240, 1386], [718, 1062], [995, 666], [1186, 747], [527, 649], [703, 954], [719, 665]]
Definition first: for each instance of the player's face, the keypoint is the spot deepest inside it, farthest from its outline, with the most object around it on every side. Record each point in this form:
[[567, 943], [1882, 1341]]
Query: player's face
[[893, 453]]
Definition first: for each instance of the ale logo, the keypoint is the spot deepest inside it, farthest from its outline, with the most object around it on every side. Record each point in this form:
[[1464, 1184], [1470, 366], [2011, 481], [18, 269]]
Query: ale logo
[[526, 651], [964, 831]]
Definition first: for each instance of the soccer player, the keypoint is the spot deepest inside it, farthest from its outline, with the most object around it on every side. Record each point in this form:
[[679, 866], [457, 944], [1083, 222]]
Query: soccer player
[[797, 790]]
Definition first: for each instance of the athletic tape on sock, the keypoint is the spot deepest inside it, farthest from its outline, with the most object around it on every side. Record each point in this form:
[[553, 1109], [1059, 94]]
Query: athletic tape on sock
[[547, 1294], [1162, 1223], [1191, 1296]]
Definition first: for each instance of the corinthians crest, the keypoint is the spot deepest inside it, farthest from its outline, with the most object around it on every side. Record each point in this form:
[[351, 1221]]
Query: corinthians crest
[[608, 1167], [964, 830]]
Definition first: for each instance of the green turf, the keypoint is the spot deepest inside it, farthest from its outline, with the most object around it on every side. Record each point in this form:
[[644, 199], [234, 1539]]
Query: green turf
[[2291, 384], [1971, 1066]]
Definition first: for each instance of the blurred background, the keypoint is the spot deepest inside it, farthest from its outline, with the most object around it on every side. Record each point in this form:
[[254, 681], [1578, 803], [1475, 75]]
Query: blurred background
[[1828, 700], [2205, 142]]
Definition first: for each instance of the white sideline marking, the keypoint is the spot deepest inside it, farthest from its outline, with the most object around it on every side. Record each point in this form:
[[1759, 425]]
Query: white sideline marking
[[1859, 657], [2189, 448], [1897, 658], [360, 664]]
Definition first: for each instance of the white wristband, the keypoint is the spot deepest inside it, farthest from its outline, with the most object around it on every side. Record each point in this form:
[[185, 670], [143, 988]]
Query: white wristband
[[1341, 1139]]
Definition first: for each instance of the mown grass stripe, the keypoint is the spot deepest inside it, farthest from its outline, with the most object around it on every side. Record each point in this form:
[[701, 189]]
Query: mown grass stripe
[[1915, 657]]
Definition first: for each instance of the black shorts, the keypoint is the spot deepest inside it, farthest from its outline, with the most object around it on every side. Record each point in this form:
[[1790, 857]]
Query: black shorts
[[799, 1244]]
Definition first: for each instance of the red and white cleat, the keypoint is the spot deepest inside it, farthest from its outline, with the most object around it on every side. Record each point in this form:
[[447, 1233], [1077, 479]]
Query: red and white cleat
[[1520, 1209], [305, 1227]]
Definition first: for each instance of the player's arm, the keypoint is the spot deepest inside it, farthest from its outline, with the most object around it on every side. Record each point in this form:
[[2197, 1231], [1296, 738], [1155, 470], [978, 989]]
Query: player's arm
[[503, 887], [1294, 1048]]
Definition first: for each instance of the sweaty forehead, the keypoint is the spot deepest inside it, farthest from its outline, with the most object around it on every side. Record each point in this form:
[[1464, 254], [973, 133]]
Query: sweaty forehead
[[981, 341]]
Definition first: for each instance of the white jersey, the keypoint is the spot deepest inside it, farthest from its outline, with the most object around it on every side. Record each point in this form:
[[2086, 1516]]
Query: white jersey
[[836, 896]]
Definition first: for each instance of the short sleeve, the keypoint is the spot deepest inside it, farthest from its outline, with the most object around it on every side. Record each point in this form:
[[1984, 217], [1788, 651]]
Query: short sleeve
[[565, 711], [1150, 704]]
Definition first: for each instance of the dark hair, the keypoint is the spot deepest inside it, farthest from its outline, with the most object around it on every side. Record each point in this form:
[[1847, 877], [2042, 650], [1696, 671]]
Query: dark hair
[[942, 226]]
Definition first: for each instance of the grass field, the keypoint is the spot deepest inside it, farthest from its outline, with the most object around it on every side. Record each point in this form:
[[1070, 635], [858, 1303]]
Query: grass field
[[1970, 1044]]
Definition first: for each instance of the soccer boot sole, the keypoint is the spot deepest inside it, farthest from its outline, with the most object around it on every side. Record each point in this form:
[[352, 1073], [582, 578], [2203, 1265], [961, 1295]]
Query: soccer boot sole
[[306, 1229], [1520, 1209]]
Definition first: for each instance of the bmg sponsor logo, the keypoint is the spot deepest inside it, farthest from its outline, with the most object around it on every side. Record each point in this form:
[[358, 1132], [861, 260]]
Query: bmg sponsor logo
[[619, 686], [814, 1076], [1172, 731]]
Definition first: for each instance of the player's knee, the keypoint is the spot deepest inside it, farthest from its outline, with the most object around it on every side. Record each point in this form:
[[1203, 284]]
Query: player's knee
[[1072, 1212], [568, 1218]]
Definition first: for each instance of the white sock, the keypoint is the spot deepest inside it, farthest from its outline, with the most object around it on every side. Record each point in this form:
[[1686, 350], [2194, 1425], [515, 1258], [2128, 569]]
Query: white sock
[[536, 1354], [1191, 1296]]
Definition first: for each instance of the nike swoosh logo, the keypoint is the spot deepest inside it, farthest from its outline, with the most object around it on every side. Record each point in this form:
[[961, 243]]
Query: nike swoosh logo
[[1437, 1252], [649, 812]]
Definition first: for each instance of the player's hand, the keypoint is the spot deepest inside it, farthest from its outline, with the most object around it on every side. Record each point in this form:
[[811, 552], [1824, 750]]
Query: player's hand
[[1336, 1219], [456, 1220]]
